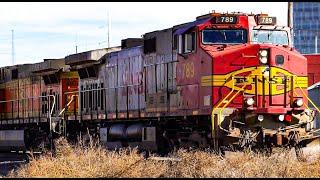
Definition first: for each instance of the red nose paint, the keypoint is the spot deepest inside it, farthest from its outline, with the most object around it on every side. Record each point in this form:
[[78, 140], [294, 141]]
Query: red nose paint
[[288, 118]]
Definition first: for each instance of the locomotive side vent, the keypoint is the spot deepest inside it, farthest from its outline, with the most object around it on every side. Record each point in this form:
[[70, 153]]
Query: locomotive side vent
[[150, 100], [50, 79], [14, 74], [149, 45], [91, 71], [53, 78], [131, 42], [82, 73], [87, 72], [162, 99]]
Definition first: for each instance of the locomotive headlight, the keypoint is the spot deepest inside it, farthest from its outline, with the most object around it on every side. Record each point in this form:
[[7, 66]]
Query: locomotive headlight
[[263, 56], [266, 73], [250, 101], [260, 118], [263, 60], [281, 117], [299, 102], [263, 53]]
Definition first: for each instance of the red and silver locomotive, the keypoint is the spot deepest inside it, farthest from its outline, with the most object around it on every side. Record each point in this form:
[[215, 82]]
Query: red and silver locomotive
[[222, 80]]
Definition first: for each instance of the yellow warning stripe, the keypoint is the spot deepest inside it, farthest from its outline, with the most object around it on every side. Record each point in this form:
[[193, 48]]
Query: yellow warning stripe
[[237, 79]]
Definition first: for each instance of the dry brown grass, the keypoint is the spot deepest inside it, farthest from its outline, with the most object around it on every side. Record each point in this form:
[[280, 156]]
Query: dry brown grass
[[95, 161]]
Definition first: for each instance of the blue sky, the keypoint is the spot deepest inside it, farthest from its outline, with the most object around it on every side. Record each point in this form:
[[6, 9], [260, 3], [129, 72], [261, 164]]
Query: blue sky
[[52, 30]]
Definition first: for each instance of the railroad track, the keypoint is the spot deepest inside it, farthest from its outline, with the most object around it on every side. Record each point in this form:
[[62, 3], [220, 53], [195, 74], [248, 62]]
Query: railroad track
[[12, 160]]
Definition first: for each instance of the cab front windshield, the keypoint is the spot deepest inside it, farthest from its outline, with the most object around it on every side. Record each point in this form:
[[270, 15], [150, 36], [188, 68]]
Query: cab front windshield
[[270, 36], [224, 36]]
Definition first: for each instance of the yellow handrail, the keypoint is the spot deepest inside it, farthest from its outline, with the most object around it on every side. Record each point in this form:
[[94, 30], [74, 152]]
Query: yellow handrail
[[226, 104], [213, 109], [220, 112], [228, 94], [315, 106], [305, 105]]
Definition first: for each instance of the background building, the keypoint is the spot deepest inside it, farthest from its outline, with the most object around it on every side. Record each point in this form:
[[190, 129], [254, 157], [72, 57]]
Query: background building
[[306, 27]]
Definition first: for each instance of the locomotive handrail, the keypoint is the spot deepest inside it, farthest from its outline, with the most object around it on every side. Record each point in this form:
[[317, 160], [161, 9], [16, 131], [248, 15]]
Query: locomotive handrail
[[226, 104], [25, 98], [87, 90], [309, 99], [72, 99], [167, 62], [214, 108], [303, 102], [220, 112], [51, 111], [63, 111], [50, 118], [315, 106]]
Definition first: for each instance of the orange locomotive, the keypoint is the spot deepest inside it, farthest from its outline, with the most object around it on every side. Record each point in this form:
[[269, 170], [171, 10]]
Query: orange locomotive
[[222, 80], [31, 94]]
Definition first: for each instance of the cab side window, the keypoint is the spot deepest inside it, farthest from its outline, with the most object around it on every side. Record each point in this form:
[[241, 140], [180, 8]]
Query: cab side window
[[187, 42]]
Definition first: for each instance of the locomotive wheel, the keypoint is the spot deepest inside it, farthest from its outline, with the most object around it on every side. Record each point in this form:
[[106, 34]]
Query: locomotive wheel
[[299, 152], [267, 146], [246, 142], [166, 143], [217, 146], [255, 141], [263, 143], [45, 144], [51, 142], [221, 149], [297, 146]]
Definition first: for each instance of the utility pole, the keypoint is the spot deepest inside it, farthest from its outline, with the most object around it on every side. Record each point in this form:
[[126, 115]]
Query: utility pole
[[12, 43], [76, 43], [108, 29]]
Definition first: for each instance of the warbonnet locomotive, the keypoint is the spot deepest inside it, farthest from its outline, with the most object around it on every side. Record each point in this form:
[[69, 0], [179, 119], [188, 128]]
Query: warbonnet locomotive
[[223, 80]]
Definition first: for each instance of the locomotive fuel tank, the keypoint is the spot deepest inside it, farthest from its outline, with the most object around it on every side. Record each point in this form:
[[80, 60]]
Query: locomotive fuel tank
[[121, 132], [12, 140], [134, 132], [117, 132]]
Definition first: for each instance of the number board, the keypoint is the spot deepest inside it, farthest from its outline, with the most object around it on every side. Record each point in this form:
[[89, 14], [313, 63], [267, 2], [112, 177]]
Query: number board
[[267, 20], [226, 20]]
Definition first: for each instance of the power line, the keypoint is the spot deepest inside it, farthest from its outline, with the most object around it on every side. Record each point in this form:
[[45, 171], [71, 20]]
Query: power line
[[34, 37]]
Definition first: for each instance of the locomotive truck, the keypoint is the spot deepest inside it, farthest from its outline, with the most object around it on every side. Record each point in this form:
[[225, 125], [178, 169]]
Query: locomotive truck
[[223, 80]]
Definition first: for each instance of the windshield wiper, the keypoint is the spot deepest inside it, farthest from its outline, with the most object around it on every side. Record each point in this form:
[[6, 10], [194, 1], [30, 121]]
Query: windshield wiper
[[224, 35], [269, 34]]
